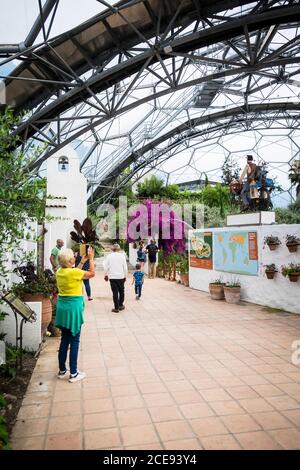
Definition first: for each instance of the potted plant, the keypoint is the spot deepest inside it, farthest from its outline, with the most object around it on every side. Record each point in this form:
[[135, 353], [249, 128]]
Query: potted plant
[[216, 289], [85, 235], [232, 291], [36, 287], [272, 242], [183, 267], [292, 271], [270, 270], [292, 243]]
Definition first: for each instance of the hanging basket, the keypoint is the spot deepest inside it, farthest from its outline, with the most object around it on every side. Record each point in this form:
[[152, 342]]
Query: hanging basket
[[292, 247], [270, 274], [293, 277], [273, 246]]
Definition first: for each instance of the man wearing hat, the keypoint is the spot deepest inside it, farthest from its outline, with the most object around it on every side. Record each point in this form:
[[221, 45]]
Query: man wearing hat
[[115, 267]]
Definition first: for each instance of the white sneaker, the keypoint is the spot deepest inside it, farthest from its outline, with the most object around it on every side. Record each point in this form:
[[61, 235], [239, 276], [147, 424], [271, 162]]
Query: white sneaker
[[77, 377], [62, 375]]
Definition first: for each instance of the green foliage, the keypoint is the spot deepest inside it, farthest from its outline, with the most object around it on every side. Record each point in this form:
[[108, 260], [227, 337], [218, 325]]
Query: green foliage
[[218, 282], [3, 430], [270, 267], [291, 268], [234, 282], [182, 264], [215, 196], [151, 187], [294, 176], [22, 194], [287, 215], [230, 170], [271, 240], [213, 218], [43, 285], [9, 368], [292, 239]]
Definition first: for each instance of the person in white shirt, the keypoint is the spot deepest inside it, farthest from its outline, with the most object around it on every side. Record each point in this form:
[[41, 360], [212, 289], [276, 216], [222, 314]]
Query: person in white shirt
[[115, 267]]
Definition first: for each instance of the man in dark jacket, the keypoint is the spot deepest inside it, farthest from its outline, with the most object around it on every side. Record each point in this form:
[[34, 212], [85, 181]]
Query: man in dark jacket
[[152, 250]]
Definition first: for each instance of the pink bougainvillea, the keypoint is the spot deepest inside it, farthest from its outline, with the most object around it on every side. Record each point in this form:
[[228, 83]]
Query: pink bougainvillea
[[158, 220]]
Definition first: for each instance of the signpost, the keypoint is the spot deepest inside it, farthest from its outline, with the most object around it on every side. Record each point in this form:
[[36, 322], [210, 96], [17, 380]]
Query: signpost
[[27, 314]]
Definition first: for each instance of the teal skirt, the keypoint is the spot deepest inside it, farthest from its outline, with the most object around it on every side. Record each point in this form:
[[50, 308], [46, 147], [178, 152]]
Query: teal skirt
[[69, 313]]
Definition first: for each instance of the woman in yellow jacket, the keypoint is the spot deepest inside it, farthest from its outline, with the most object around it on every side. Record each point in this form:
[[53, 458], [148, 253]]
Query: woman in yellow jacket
[[70, 308]]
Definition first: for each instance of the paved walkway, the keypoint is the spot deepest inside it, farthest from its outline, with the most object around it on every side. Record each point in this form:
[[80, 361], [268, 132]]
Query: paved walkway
[[175, 370]]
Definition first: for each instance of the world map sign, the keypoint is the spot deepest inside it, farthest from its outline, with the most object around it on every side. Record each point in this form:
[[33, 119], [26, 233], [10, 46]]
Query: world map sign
[[236, 252]]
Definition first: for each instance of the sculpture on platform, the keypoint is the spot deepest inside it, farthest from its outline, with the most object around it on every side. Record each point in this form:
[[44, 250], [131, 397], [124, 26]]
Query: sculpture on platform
[[252, 190]]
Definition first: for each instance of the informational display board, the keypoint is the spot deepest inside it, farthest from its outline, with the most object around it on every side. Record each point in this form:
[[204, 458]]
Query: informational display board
[[19, 306], [236, 252], [201, 250]]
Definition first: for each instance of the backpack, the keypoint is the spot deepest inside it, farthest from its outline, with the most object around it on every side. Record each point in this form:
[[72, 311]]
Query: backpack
[[152, 249], [141, 254]]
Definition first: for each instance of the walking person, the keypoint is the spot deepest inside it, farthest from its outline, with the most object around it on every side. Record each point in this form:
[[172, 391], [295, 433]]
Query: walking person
[[138, 281], [141, 255], [54, 255], [152, 250], [70, 309], [86, 282], [115, 268]]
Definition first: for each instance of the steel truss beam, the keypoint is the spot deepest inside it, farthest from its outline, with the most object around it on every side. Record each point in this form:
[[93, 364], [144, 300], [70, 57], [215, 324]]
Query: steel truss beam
[[221, 45], [138, 64], [231, 121]]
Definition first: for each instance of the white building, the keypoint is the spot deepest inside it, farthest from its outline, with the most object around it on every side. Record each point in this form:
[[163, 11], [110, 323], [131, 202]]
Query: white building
[[67, 198]]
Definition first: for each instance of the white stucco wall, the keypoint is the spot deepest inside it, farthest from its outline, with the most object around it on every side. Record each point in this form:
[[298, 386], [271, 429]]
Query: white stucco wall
[[31, 331], [276, 293], [72, 186]]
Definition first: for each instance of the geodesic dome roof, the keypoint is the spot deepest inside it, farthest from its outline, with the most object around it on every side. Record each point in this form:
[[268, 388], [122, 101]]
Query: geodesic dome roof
[[172, 87]]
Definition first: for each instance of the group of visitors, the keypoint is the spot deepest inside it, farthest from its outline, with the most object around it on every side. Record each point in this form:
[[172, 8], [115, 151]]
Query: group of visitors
[[151, 250], [71, 269]]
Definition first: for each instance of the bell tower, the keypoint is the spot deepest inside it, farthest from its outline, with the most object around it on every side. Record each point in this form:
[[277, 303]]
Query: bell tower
[[66, 198]]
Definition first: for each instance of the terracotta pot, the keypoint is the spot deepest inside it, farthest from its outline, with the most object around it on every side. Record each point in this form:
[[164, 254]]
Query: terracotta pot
[[270, 274], [184, 277], [272, 246], [46, 308], [293, 277], [232, 294], [217, 291], [292, 247]]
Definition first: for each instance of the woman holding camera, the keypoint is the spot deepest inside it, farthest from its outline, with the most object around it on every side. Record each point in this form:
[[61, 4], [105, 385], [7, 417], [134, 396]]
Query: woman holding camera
[[70, 308]]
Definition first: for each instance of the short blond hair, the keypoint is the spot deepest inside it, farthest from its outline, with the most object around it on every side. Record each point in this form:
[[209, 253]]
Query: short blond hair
[[65, 256]]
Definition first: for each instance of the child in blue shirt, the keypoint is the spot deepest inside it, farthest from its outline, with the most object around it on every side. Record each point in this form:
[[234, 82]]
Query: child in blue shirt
[[138, 281]]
